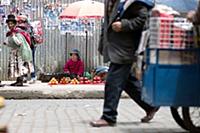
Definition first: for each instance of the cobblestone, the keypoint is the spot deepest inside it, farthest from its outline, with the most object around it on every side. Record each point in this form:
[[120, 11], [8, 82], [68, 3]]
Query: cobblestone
[[73, 116]]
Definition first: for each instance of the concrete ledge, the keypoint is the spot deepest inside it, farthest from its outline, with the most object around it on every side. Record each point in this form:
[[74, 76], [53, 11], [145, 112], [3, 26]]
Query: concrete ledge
[[44, 91]]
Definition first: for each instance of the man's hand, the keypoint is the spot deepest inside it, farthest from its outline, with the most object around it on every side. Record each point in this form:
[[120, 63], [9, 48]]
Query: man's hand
[[117, 26]]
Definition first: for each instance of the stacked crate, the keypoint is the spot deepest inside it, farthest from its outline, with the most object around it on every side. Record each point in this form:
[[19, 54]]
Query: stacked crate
[[172, 33]]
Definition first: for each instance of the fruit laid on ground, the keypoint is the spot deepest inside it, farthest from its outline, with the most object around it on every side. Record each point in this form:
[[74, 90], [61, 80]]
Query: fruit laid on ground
[[89, 82], [84, 80], [65, 80], [2, 102], [96, 80], [74, 81], [53, 81], [81, 78], [81, 82]]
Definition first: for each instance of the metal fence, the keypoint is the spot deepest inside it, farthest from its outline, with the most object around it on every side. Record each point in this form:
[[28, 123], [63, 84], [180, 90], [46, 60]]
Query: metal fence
[[53, 53]]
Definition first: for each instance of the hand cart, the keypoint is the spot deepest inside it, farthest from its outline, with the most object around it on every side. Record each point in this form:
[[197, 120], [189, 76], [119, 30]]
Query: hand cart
[[172, 71]]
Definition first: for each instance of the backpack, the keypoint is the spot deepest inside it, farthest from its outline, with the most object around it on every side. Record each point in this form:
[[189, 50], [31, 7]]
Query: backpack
[[37, 32]]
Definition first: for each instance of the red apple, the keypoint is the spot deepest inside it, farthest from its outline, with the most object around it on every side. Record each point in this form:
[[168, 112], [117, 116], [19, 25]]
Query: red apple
[[89, 82], [81, 78], [98, 82], [98, 78], [81, 82]]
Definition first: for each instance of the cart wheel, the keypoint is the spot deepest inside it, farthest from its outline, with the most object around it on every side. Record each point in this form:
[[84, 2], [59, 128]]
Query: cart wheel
[[191, 117], [178, 117]]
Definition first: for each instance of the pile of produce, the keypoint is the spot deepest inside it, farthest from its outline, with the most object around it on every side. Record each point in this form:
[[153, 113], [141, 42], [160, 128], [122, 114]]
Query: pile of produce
[[96, 80], [84, 80], [81, 80], [74, 81], [53, 81], [65, 80]]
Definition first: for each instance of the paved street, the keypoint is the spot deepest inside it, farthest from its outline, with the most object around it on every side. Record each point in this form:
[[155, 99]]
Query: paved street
[[73, 116]]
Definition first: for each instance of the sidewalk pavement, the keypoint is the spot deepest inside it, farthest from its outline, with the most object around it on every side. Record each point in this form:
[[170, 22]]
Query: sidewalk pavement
[[44, 91], [73, 116]]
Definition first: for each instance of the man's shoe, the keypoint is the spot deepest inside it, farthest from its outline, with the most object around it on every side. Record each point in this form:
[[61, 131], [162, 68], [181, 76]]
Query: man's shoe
[[149, 115], [101, 123]]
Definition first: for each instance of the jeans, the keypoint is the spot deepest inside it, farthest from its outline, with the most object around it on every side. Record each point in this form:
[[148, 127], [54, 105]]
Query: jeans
[[33, 74], [120, 78]]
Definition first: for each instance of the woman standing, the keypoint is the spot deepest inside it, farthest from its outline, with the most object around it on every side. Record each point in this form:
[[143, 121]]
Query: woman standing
[[20, 59], [23, 23]]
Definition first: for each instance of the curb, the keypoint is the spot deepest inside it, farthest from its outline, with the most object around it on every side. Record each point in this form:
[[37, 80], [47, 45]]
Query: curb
[[44, 91]]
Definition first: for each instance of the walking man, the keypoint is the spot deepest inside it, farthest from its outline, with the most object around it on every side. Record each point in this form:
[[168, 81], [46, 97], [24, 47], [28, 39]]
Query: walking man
[[123, 24]]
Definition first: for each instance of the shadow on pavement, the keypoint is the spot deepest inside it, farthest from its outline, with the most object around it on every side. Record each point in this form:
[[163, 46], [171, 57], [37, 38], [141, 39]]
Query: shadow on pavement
[[152, 130], [135, 123], [138, 127]]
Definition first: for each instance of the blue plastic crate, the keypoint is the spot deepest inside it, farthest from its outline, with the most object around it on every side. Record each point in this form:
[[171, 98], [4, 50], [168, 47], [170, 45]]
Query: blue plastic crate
[[172, 84]]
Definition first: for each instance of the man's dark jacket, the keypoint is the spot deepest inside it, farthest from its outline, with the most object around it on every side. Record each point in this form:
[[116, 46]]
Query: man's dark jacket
[[120, 47]]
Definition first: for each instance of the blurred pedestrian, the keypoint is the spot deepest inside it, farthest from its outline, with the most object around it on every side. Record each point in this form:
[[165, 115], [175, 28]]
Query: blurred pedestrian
[[124, 21], [20, 59], [23, 23]]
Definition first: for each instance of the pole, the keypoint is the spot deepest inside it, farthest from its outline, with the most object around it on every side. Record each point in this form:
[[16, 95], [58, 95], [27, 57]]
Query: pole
[[66, 46], [86, 49]]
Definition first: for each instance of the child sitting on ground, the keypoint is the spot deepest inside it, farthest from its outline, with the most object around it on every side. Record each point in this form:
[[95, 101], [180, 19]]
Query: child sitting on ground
[[100, 71]]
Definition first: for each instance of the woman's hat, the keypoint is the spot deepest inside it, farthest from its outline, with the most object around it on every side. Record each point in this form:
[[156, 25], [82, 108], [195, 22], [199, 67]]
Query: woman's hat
[[101, 69], [75, 51], [12, 18]]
